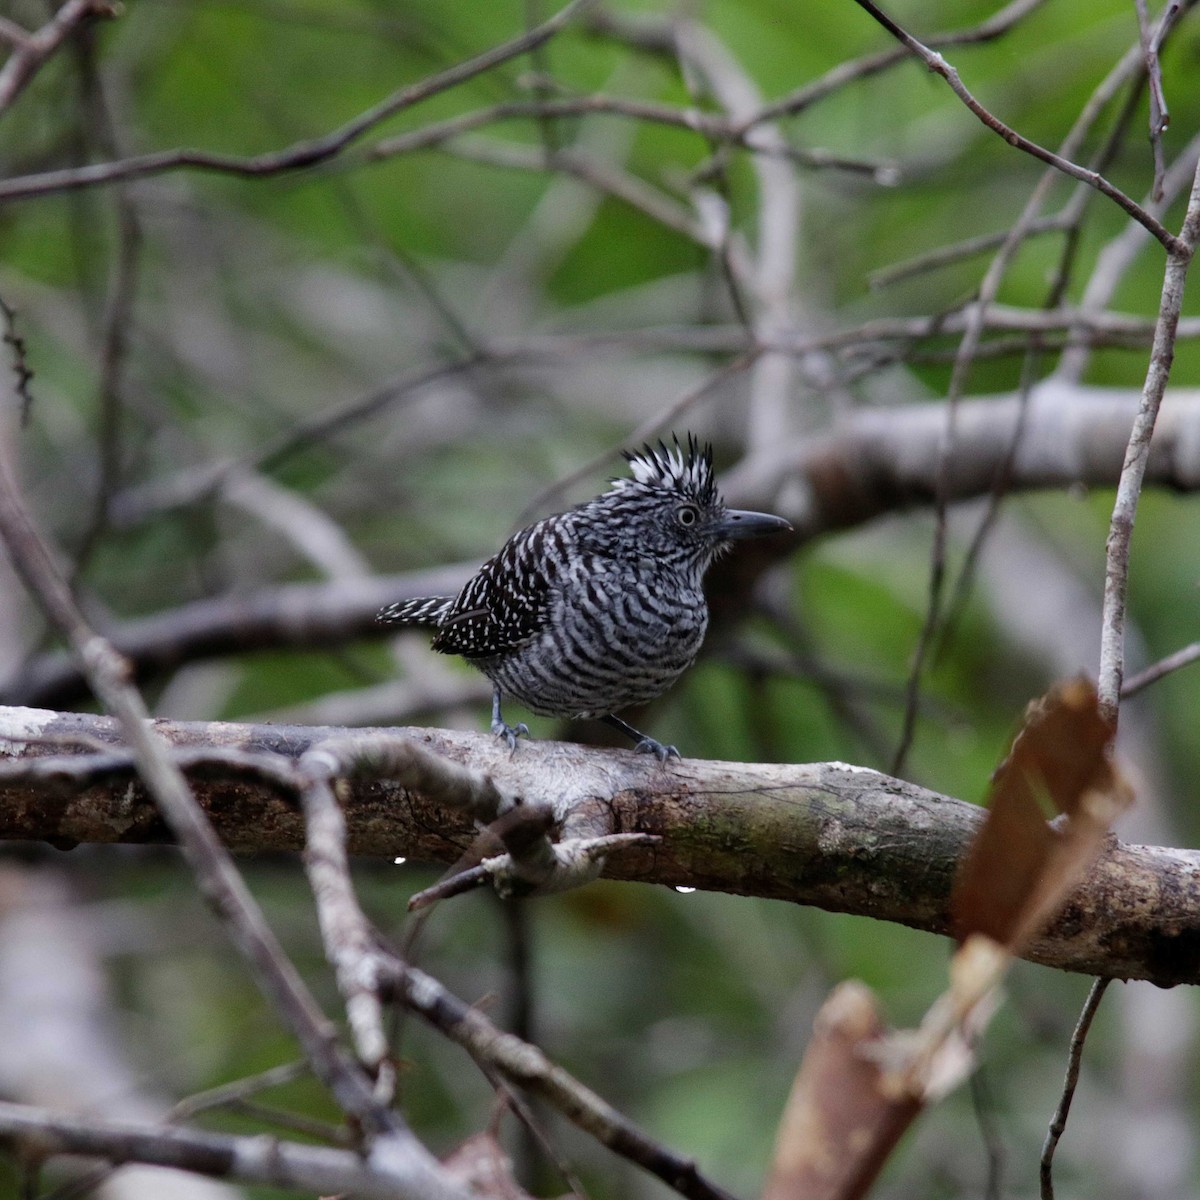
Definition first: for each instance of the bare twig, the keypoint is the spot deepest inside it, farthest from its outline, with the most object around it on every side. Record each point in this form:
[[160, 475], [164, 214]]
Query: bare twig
[[391, 1147], [1129, 487], [300, 614], [237, 1090], [299, 155], [117, 331], [1119, 254], [1160, 118], [937, 64], [255, 1159], [135, 505], [998, 24], [1059, 1123], [1031, 366], [366, 972], [345, 933], [30, 51], [963, 362], [604, 177], [1152, 674], [942, 256], [527, 1067]]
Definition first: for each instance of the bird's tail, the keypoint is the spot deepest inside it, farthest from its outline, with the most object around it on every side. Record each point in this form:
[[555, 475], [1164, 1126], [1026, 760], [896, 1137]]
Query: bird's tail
[[425, 610]]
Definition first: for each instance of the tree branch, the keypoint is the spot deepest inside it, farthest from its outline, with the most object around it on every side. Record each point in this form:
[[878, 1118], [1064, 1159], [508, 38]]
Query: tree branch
[[841, 838], [256, 1159], [871, 463], [939, 66], [1137, 455], [302, 154], [30, 51]]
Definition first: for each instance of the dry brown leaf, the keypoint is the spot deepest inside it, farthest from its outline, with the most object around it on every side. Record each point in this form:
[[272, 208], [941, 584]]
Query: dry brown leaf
[[1020, 867], [859, 1088], [838, 1126]]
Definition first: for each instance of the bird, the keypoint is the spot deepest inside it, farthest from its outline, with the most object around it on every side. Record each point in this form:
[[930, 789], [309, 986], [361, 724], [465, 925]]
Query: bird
[[591, 611]]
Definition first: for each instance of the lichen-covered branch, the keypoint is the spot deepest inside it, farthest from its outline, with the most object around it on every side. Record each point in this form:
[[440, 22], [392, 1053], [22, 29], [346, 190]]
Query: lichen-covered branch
[[842, 838]]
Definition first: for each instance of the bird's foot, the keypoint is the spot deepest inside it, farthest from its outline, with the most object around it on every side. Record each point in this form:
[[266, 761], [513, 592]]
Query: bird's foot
[[509, 733], [642, 743], [648, 745], [501, 728]]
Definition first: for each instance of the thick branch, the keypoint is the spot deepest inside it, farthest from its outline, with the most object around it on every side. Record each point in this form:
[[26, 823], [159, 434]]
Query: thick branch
[[308, 615], [872, 463], [838, 837]]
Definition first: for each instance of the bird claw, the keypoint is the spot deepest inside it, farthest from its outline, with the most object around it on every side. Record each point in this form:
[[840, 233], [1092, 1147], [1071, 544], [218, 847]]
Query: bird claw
[[509, 733], [649, 745]]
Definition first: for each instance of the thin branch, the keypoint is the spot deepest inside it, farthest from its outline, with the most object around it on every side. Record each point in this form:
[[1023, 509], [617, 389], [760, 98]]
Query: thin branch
[[656, 36], [995, 26], [108, 675], [1118, 255], [194, 485], [31, 51], [963, 361], [939, 66], [367, 973], [1152, 674], [942, 256], [255, 1159], [297, 614], [344, 931], [1133, 472], [1059, 1123], [1160, 118], [527, 1067], [302, 154], [604, 177]]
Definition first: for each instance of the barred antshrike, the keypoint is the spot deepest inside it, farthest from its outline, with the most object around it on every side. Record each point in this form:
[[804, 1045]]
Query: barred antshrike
[[599, 608]]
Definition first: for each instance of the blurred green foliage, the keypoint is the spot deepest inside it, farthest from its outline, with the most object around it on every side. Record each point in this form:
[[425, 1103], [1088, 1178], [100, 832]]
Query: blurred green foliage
[[261, 302]]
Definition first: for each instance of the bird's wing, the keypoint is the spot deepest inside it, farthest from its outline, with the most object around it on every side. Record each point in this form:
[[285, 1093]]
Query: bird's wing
[[507, 603]]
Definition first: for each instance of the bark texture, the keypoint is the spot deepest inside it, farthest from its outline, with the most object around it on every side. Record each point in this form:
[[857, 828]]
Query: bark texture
[[842, 838]]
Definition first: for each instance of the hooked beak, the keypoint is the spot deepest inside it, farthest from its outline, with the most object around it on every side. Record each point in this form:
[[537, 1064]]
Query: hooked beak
[[736, 524]]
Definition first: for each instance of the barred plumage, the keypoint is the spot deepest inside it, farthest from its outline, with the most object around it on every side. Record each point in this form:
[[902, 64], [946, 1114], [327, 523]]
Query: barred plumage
[[593, 610]]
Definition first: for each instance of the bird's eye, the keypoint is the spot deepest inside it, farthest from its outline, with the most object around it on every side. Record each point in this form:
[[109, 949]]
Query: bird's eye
[[687, 515]]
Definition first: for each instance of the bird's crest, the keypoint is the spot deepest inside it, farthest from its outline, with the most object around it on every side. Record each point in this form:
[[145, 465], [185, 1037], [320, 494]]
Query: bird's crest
[[687, 470]]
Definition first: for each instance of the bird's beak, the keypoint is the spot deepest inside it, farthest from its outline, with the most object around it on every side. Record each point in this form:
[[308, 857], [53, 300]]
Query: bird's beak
[[736, 524]]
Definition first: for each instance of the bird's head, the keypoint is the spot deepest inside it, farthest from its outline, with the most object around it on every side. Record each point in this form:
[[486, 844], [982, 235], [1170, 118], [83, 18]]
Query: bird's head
[[671, 508]]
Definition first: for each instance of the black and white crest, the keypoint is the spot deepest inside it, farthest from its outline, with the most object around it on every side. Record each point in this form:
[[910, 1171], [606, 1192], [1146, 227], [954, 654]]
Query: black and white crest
[[688, 471]]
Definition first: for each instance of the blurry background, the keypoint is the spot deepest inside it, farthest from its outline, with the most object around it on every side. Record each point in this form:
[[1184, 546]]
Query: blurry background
[[388, 362]]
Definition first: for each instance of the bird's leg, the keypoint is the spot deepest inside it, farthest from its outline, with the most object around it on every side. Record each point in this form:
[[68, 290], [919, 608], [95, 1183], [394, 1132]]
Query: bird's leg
[[507, 733], [645, 745]]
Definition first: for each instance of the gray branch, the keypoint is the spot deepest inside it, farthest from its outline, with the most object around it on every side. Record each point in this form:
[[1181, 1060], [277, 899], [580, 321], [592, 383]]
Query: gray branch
[[381, 1174], [838, 837], [871, 463]]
